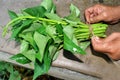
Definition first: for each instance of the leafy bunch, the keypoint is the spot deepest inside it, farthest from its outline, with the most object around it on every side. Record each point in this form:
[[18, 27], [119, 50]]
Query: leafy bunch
[[42, 34], [8, 72]]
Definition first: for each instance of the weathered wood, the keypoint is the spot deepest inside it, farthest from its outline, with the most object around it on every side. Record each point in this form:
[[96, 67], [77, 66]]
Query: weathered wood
[[54, 71], [94, 64]]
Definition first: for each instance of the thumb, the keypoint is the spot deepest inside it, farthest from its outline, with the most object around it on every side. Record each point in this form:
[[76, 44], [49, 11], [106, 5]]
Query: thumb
[[98, 44]]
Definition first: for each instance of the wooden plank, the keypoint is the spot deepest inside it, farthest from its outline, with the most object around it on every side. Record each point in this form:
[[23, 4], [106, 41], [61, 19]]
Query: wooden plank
[[94, 64], [54, 71]]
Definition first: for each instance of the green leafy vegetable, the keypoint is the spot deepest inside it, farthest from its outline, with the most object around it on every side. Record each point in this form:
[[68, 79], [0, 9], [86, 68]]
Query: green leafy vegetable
[[20, 59], [24, 46], [48, 5], [29, 37], [74, 15], [41, 42], [53, 16], [15, 75], [42, 34], [9, 72], [44, 66], [37, 11], [12, 14], [72, 47], [17, 30]]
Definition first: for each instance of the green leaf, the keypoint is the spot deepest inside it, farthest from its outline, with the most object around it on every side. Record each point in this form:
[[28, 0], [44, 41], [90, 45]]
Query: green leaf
[[53, 10], [13, 22], [74, 10], [25, 13], [15, 76], [74, 16], [12, 14], [70, 46], [9, 67], [37, 11], [69, 31], [42, 30], [2, 65], [20, 58], [53, 51], [47, 58], [38, 69], [24, 46], [55, 55], [59, 29], [42, 68], [84, 45], [48, 5], [29, 37], [30, 54], [41, 42], [16, 31], [59, 34], [70, 43], [51, 31], [32, 28], [53, 16], [16, 24]]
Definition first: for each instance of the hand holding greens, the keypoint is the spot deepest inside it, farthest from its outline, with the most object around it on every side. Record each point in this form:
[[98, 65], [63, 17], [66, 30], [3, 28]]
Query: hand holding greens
[[42, 34]]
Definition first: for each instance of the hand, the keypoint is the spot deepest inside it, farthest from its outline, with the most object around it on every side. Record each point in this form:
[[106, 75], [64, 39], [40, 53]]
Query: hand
[[109, 45], [101, 12]]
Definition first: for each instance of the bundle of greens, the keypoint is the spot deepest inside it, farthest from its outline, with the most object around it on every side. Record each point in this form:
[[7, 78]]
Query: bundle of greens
[[42, 34]]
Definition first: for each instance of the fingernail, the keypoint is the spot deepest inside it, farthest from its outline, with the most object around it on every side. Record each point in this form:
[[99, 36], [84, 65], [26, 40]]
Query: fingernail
[[97, 38]]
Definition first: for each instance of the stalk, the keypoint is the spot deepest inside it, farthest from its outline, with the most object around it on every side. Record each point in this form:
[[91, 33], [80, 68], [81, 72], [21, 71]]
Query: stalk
[[81, 30]]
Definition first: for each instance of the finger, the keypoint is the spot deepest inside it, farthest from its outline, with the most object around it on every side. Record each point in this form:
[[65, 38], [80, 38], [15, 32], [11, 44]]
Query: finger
[[88, 13], [99, 44], [112, 37], [97, 18], [113, 22]]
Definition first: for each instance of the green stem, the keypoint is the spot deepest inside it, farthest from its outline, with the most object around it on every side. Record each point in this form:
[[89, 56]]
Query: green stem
[[81, 30], [31, 17], [12, 21], [52, 21], [97, 29]]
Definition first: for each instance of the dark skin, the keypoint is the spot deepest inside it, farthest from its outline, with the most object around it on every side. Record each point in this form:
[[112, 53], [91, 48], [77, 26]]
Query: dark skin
[[110, 14]]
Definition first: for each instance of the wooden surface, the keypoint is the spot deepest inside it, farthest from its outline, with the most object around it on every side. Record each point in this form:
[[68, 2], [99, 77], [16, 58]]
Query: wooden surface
[[66, 66]]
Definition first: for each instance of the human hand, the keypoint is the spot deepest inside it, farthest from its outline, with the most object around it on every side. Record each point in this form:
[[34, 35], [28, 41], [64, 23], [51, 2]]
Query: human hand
[[109, 45], [101, 12]]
